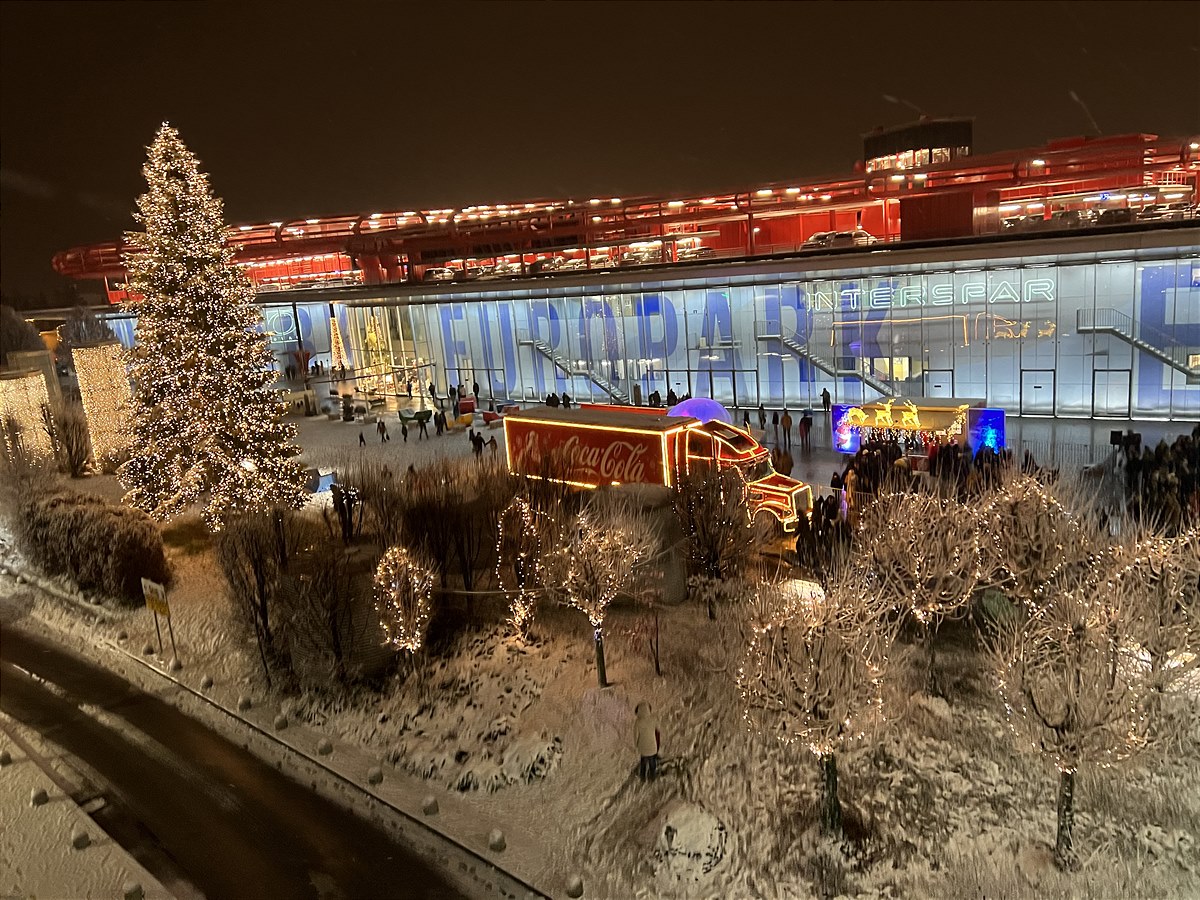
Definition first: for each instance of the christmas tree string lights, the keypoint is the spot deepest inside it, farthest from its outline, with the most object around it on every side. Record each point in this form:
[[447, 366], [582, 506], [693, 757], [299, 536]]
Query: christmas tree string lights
[[403, 586], [204, 426]]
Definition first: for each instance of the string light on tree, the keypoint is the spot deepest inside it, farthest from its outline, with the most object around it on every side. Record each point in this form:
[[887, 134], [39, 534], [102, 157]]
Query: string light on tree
[[200, 407], [104, 391], [337, 346], [607, 543], [813, 670], [519, 569], [23, 405], [403, 586]]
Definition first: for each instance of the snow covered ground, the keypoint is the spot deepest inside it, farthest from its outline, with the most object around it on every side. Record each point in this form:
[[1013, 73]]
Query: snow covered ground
[[54, 849], [518, 737]]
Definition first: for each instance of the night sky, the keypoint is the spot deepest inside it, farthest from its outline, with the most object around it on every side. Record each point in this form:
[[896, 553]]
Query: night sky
[[303, 109]]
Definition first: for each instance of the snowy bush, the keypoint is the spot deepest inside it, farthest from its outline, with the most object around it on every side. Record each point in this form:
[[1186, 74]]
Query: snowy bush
[[97, 544], [690, 842]]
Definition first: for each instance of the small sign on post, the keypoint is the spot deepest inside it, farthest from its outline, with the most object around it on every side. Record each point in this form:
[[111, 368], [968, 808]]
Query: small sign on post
[[156, 602]]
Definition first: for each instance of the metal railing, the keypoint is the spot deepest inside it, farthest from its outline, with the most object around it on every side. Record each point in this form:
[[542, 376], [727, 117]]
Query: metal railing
[[1154, 341]]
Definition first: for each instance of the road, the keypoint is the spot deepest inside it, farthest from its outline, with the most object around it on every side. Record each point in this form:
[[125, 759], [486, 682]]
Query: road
[[228, 823]]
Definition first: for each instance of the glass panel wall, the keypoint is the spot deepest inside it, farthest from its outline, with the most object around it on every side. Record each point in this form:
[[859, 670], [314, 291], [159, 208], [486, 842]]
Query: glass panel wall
[[1065, 336], [1044, 337]]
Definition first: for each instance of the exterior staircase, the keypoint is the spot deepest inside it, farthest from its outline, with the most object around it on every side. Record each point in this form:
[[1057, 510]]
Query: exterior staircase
[[825, 365], [1164, 347], [618, 395]]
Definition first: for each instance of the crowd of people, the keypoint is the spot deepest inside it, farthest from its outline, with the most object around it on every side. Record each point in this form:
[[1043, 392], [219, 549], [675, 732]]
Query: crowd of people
[[1163, 484]]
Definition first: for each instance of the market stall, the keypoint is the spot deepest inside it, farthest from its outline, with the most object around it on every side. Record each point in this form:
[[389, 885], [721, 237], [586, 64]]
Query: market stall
[[918, 423]]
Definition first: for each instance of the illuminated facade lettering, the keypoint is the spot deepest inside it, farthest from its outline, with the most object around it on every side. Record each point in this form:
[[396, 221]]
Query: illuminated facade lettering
[[1027, 337]]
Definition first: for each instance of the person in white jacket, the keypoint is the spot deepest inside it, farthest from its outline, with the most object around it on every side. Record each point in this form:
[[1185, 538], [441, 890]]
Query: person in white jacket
[[647, 739]]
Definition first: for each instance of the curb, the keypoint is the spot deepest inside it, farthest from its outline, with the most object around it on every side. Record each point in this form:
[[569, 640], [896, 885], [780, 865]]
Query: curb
[[317, 760]]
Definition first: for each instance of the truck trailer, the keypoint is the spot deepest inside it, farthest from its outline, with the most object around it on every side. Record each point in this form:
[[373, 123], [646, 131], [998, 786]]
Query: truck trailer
[[596, 446]]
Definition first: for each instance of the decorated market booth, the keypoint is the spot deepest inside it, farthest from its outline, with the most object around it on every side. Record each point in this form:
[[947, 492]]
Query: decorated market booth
[[918, 423]]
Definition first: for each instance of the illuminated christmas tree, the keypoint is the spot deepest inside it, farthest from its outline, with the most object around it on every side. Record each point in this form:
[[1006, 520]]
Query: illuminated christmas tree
[[337, 348], [205, 429]]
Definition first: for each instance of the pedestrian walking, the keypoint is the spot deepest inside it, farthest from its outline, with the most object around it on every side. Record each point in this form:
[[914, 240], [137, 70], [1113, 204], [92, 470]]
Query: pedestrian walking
[[404, 431], [362, 438], [762, 419], [746, 419], [475, 390], [775, 424], [804, 428], [424, 432], [786, 424], [648, 740], [493, 445], [825, 398], [381, 427]]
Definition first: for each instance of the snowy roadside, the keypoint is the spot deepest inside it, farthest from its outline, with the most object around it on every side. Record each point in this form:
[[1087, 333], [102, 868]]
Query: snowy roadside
[[941, 805], [453, 833], [50, 847]]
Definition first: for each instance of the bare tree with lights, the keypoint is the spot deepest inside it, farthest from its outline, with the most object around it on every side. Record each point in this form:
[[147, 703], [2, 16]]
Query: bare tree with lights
[[1026, 528], [926, 552], [814, 668], [1163, 572], [205, 428], [520, 571], [598, 561], [711, 508], [403, 588], [1068, 669]]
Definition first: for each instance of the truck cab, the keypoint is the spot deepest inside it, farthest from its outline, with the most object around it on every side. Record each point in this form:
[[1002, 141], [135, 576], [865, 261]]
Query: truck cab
[[726, 446]]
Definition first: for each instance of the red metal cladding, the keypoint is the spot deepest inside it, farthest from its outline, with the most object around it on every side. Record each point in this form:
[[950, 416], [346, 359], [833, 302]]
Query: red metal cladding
[[932, 201]]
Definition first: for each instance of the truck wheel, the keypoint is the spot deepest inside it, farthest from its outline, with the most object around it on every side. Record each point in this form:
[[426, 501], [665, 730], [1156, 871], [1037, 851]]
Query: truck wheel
[[766, 524]]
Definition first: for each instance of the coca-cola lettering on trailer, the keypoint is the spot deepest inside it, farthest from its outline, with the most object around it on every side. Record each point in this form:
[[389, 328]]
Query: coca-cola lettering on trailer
[[593, 455]]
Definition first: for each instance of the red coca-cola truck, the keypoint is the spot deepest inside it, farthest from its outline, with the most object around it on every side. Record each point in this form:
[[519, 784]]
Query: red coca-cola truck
[[596, 446]]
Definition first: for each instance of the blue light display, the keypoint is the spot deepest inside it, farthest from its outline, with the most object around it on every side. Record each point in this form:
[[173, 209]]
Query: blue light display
[[985, 428]]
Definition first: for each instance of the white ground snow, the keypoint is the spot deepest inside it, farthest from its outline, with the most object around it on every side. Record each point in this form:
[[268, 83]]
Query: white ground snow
[[942, 804], [37, 857]]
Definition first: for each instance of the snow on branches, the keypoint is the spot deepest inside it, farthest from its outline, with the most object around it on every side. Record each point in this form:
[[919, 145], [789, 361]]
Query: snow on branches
[[813, 670], [599, 559]]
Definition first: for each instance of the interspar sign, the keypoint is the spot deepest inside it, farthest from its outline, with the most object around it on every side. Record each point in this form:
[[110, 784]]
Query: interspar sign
[[591, 456]]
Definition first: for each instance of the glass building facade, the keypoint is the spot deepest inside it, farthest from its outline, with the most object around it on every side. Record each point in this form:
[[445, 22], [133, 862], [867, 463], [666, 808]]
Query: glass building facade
[[1096, 332]]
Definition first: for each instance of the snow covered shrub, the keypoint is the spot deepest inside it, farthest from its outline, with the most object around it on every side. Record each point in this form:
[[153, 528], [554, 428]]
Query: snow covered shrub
[[68, 428], [712, 513], [97, 544]]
